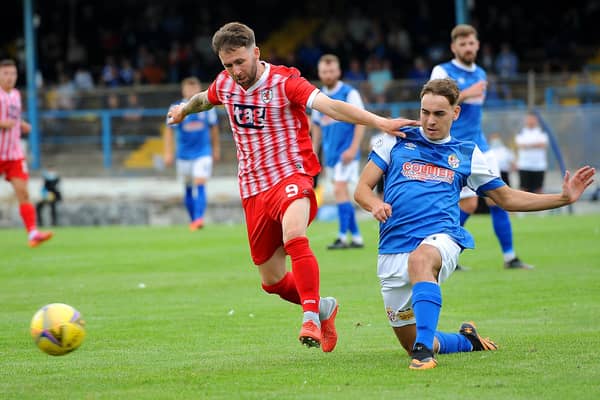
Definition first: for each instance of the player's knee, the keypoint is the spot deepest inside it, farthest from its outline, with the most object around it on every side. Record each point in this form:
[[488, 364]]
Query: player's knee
[[468, 204], [420, 268]]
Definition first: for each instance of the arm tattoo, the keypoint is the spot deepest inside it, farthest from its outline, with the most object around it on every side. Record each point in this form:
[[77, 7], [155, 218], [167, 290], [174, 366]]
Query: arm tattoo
[[199, 102]]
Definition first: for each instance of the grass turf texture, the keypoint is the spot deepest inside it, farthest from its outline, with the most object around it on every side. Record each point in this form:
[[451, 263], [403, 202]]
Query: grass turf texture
[[202, 327]]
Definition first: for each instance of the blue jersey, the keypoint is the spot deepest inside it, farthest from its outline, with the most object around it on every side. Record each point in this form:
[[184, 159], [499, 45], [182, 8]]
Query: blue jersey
[[193, 135], [423, 180], [337, 135], [468, 124]]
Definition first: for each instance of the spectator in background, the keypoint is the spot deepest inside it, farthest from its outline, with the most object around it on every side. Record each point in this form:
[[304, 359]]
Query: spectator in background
[[50, 196], [65, 92], [355, 73], [504, 156], [487, 57], [420, 71], [110, 73], [134, 108], [507, 62], [127, 74], [308, 55], [112, 101], [532, 162], [152, 72], [83, 79], [379, 77]]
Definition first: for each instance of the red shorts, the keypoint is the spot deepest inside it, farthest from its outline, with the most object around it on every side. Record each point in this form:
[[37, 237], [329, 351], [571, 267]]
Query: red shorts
[[264, 214], [14, 169]]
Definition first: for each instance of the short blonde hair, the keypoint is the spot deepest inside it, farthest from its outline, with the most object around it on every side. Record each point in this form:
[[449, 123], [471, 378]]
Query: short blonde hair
[[462, 30]]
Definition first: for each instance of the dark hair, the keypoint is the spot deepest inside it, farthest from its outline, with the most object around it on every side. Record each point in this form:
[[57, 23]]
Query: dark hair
[[442, 87], [191, 80], [232, 36], [7, 62], [329, 59]]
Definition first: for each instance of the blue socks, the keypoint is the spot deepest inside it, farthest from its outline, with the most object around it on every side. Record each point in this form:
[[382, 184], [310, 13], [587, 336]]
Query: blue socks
[[189, 201], [347, 219], [426, 303], [463, 217], [342, 219], [195, 204], [453, 343], [503, 228], [200, 202]]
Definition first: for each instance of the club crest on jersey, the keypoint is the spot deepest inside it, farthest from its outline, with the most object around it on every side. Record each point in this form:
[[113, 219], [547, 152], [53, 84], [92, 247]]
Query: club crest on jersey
[[266, 96], [453, 161]]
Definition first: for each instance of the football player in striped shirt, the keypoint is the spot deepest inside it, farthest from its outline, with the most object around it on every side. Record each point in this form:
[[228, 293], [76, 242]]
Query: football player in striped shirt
[[13, 164], [266, 105]]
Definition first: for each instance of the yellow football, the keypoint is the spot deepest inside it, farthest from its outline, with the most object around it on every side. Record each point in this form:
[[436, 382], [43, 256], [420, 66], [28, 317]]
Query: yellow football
[[57, 329]]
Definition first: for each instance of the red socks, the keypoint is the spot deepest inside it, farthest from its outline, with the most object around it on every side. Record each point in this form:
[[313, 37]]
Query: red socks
[[306, 272], [28, 216], [285, 288]]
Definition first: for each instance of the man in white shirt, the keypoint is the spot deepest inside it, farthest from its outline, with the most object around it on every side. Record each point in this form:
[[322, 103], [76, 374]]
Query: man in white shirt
[[532, 162]]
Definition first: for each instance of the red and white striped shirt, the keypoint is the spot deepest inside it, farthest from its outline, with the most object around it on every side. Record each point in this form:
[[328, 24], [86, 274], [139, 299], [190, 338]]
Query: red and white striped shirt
[[270, 126], [10, 138]]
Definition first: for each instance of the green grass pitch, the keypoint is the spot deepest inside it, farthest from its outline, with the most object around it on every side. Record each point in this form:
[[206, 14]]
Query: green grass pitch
[[178, 315]]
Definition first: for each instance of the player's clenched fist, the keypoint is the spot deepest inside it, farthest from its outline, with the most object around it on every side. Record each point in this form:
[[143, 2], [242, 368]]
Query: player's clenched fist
[[381, 211], [175, 114]]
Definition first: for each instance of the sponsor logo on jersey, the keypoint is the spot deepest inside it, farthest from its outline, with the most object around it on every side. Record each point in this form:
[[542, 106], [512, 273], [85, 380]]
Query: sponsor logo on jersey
[[410, 146], [427, 172], [249, 116], [193, 126]]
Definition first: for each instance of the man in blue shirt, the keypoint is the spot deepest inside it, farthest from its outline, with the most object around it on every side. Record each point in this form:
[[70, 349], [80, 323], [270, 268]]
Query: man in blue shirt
[[420, 235], [472, 82], [198, 145], [341, 148]]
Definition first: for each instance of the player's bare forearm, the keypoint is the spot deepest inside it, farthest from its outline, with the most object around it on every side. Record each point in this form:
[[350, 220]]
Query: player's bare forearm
[[197, 103], [342, 111], [572, 189]]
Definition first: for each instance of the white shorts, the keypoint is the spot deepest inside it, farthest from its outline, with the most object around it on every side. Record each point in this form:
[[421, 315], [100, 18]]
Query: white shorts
[[188, 170], [343, 172], [396, 289], [492, 161]]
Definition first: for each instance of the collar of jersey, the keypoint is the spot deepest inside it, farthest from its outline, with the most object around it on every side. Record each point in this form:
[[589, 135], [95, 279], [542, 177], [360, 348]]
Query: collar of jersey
[[441, 141]]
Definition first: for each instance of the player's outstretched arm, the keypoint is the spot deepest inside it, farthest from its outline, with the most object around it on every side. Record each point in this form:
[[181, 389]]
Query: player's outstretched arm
[[572, 189], [366, 198], [342, 111], [197, 103]]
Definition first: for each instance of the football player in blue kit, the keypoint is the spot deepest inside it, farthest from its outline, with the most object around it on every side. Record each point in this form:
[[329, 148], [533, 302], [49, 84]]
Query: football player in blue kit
[[420, 235], [472, 82], [341, 149], [197, 146]]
